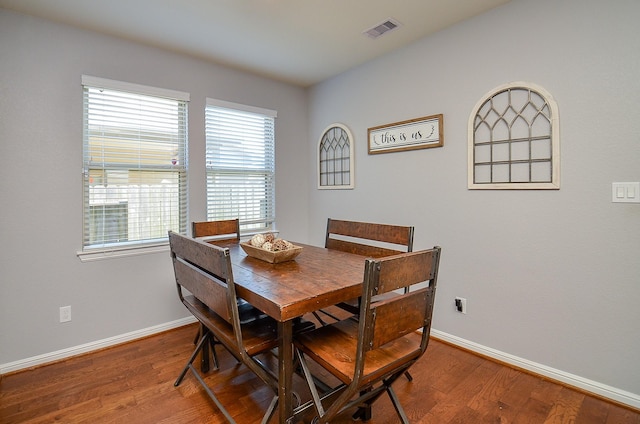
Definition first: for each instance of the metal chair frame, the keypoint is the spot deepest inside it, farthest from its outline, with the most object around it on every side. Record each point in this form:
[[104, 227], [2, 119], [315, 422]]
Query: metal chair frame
[[205, 271], [383, 344], [225, 229]]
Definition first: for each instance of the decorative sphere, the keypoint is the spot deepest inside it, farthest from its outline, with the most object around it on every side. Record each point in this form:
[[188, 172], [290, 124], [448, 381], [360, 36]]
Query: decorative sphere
[[257, 240]]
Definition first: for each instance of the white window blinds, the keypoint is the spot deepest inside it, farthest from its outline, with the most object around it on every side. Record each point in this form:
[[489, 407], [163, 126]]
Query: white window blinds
[[135, 164], [240, 162]]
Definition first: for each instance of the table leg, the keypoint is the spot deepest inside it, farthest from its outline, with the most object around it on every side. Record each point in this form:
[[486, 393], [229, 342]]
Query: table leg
[[285, 371]]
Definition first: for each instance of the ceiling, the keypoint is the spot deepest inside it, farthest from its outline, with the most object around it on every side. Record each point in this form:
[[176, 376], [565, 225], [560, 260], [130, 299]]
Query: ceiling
[[302, 42]]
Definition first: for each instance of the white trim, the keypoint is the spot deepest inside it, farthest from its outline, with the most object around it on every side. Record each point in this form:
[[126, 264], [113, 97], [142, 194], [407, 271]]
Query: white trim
[[120, 252], [148, 90], [582, 383], [88, 347], [245, 108]]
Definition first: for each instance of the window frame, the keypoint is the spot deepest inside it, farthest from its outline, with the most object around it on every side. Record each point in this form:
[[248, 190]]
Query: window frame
[[553, 136], [179, 169]]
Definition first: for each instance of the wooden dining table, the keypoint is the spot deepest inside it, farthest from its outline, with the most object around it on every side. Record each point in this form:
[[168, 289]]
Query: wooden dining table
[[317, 278]]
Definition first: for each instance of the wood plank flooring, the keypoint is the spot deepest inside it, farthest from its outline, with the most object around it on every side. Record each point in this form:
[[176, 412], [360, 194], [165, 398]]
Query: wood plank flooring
[[133, 383]]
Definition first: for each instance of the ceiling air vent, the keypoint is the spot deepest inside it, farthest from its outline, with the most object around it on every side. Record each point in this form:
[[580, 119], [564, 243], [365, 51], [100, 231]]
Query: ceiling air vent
[[380, 29]]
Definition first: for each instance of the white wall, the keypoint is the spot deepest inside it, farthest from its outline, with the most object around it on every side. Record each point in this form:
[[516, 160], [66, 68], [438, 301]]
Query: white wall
[[41, 64], [551, 277]]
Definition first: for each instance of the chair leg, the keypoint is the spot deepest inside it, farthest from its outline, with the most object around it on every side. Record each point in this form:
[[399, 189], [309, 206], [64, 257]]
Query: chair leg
[[271, 410], [204, 366], [211, 395], [203, 340], [204, 358], [397, 406], [338, 396], [212, 345], [309, 378], [364, 412], [207, 341]]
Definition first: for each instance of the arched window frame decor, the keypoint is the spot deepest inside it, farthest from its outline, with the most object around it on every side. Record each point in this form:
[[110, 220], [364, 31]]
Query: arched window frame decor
[[504, 154], [335, 158]]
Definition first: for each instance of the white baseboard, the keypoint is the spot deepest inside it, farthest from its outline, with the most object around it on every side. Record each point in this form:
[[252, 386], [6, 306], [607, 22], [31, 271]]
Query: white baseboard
[[587, 385], [88, 347]]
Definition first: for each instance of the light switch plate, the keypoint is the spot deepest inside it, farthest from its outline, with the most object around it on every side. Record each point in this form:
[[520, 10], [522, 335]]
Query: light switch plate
[[625, 192]]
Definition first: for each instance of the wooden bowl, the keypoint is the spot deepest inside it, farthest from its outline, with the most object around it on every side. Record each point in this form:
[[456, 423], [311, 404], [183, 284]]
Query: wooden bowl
[[269, 256]]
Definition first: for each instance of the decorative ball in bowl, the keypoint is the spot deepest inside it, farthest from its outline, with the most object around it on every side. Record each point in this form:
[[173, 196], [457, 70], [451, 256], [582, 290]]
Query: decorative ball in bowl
[[267, 247]]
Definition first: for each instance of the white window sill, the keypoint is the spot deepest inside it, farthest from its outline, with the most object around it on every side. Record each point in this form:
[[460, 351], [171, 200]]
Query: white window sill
[[120, 252]]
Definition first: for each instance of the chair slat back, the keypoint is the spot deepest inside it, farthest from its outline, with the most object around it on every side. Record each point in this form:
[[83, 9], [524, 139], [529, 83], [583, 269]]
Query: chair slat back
[[204, 270], [405, 271], [394, 239], [395, 316], [230, 227]]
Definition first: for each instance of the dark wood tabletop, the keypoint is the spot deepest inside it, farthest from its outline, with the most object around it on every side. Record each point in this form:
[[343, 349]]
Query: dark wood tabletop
[[315, 279]]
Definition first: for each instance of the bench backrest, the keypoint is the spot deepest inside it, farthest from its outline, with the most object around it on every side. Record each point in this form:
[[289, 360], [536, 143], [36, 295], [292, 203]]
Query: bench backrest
[[368, 239]]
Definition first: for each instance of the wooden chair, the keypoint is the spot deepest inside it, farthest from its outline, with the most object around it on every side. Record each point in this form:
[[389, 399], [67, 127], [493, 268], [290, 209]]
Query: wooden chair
[[228, 229], [369, 354], [381, 240], [366, 239], [205, 271]]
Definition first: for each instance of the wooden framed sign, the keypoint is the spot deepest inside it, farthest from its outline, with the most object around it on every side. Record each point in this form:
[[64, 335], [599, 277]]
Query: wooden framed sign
[[419, 133]]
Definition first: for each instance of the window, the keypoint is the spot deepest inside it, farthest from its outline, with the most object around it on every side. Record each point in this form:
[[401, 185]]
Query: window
[[240, 162], [513, 140], [335, 158], [135, 164]]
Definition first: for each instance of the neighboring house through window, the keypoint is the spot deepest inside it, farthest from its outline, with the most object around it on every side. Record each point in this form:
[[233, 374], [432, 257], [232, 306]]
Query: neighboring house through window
[[135, 165], [240, 164]]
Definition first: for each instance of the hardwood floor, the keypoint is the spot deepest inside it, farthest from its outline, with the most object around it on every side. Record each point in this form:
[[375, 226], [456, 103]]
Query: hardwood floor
[[133, 383]]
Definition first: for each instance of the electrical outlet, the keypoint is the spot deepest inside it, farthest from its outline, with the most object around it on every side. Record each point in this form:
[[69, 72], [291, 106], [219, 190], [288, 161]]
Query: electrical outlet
[[65, 313], [461, 305]]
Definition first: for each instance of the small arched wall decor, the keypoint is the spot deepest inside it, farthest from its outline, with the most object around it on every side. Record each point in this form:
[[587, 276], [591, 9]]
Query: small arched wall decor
[[335, 158]]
